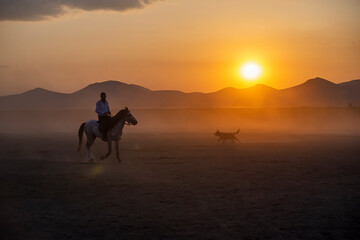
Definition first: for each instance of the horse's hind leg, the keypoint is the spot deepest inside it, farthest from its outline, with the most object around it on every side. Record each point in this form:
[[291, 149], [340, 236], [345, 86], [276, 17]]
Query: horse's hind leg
[[89, 142]]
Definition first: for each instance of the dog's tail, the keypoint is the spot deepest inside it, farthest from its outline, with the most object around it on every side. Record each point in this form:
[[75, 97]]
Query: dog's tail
[[237, 131], [80, 133]]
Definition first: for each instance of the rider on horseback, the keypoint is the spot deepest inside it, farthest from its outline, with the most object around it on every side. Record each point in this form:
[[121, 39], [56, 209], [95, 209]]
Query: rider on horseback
[[104, 114]]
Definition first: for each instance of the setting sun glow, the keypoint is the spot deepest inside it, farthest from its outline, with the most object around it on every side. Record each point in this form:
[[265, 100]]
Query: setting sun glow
[[250, 71]]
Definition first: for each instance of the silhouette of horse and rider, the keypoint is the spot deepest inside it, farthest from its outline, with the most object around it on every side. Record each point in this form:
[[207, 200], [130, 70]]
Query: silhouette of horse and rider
[[108, 128]]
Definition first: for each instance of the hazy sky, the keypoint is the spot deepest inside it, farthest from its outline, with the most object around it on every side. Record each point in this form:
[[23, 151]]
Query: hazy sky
[[189, 45]]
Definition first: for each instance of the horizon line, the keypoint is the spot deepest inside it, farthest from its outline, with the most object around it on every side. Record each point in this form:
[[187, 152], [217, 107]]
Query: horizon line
[[258, 84]]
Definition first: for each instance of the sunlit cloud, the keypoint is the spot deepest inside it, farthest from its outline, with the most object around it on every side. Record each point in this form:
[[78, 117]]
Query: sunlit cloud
[[35, 10]]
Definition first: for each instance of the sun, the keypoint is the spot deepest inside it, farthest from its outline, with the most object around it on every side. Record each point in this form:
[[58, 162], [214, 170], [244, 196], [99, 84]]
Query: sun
[[250, 71]]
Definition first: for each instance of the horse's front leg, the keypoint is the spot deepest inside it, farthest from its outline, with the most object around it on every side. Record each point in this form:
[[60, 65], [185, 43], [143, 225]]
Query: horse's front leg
[[109, 150], [117, 149]]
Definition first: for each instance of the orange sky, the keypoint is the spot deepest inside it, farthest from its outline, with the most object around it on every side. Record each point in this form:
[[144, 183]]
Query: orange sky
[[185, 45]]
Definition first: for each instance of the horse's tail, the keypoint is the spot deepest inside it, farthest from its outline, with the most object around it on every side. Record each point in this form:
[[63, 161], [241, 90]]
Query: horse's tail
[[237, 131], [81, 133]]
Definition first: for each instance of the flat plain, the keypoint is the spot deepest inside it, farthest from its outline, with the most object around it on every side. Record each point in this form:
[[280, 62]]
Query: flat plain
[[181, 186]]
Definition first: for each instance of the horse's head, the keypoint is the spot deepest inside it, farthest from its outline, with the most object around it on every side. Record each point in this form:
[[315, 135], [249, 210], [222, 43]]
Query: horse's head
[[129, 118]]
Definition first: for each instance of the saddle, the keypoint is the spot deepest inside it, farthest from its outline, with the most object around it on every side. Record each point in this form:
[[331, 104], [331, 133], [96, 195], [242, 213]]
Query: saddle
[[100, 127]]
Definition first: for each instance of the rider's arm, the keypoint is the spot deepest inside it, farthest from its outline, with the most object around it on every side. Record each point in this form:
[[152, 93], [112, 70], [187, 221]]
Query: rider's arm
[[98, 109], [108, 109]]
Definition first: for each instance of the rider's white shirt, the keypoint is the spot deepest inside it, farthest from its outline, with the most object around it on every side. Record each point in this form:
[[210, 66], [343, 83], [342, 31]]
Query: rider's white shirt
[[102, 107]]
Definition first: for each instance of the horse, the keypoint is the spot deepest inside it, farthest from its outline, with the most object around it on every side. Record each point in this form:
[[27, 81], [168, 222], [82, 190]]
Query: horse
[[114, 133]]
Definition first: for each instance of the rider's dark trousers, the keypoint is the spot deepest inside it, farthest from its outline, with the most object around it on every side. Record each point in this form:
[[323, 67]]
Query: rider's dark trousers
[[104, 122]]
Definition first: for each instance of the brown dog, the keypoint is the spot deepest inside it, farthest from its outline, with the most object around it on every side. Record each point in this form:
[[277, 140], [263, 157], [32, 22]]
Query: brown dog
[[225, 136]]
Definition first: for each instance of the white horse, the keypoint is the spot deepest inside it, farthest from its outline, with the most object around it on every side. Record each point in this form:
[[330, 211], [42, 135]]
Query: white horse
[[114, 133]]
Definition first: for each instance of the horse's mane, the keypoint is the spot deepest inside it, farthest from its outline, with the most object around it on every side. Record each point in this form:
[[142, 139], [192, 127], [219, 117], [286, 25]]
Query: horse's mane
[[115, 119]]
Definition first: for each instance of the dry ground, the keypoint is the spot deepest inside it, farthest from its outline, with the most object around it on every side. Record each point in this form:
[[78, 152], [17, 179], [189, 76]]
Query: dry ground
[[176, 186]]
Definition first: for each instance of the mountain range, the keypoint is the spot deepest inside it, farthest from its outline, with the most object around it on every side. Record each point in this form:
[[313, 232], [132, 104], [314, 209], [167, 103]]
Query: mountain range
[[316, 92]]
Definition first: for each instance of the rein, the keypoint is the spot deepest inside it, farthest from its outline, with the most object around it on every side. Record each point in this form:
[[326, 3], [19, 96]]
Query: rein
[[115, 119]]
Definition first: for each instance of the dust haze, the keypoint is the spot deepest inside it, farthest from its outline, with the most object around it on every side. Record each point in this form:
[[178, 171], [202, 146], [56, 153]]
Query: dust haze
[[293, 175], [326, 120]]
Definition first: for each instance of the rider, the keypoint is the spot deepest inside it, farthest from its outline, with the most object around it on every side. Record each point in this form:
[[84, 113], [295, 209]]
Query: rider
[[104, 114]]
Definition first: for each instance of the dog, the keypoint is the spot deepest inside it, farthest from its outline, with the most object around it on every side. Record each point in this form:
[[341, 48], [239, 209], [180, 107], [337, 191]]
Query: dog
[[225, 136]]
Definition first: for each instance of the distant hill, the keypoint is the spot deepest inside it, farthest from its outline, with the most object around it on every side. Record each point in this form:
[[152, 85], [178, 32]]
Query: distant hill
[[313, 92]]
